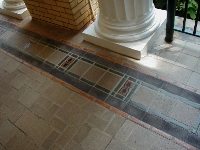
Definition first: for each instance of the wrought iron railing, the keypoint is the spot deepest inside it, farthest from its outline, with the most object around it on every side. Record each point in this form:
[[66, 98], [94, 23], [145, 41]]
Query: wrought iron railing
[[170, 27]]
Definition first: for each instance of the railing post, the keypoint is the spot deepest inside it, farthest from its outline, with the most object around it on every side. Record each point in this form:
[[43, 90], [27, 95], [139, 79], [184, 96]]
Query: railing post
[[171, 10]]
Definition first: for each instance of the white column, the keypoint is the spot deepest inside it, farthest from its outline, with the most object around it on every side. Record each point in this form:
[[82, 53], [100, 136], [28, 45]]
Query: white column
[[126, 20], [14, 8], [13, 4], [128, 27]]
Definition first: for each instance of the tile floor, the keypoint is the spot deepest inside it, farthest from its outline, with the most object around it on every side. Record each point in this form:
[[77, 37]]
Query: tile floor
[[60, 92]]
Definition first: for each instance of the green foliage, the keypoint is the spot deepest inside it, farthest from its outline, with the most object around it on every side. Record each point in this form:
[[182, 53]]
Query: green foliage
[[180, 6]]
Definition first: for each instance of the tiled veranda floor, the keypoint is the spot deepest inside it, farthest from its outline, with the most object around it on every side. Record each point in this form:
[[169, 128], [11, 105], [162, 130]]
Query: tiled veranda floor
[[80, 96]]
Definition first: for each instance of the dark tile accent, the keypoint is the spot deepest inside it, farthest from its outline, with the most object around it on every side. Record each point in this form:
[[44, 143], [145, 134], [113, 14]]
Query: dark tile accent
[[86, 60], [153, 81], [172, 89], [69, 79], [153, 120], [83, 86], [194, 97], [17, 53], [78, 52], [134, 111], [30, 33], [6, 47], [115, 102], [98, 94], [136, 74], [27, 58], [57, 73], [116, 72], [9, 25], [102, 88], [2, 30], [46, 67], [175, 131], [50, 64], [193, 140], [35, 62], [47, 40], [104, 62], [120, 68], [91, 57], [63, 46]]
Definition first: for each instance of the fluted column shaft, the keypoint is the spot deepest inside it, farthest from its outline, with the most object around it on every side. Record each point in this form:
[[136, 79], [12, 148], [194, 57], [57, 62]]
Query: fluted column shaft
[[14, 4], [126, 20]]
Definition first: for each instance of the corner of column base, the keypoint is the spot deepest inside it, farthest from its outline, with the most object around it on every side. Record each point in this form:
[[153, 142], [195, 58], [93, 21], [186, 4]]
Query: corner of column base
[[19, 14], [135, 49]]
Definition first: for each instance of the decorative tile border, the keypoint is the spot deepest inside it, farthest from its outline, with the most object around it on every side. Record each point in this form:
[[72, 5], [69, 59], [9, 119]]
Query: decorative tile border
[[117, 102]]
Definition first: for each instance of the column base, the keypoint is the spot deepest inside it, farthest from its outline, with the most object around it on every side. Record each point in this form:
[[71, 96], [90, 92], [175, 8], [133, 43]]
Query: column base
[[135, 49], [19, 14]]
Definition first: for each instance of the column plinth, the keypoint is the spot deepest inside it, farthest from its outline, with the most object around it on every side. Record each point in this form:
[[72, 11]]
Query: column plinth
[[126, 26], [126, 20], [14, 8], [13, 4]]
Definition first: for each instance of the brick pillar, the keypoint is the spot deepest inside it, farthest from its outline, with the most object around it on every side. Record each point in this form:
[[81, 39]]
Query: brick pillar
[[71, 14]]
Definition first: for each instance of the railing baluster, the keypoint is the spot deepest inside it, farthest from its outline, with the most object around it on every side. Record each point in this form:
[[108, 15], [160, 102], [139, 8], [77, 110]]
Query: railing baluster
[[185, 15], [197, 19], [171, 9]]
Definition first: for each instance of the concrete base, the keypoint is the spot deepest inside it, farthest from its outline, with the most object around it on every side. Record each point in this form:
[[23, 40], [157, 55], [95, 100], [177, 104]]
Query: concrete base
[[135, 49], [19, 14]]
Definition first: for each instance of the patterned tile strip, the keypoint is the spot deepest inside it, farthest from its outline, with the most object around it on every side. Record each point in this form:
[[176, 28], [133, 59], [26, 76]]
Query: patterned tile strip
[[128, 108]]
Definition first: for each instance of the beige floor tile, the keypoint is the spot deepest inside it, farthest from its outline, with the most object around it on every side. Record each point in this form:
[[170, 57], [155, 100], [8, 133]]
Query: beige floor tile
[[76, 117], [109, 80], [73, 146], [11, 66], [56, 57], [19, 81], [39, 131], [163, 104], [58, 124], [66, 136], [80, 68], [14, 139], [36, 48], [26, 121], [192, 49], [46, 52], [96, 140], [185, 114], [78, 99], [7, 130], [94, 74], [187, 61], [144, 96], [194, 80], [50, 140], [82, 133], [7, 35], [180, 74]]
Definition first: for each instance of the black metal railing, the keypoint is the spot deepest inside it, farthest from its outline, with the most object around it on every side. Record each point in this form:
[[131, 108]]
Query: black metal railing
[[170, 27]]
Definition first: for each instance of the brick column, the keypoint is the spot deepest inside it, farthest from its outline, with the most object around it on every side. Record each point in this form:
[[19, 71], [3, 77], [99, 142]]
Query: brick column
[[14, 8], [71, 14]]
